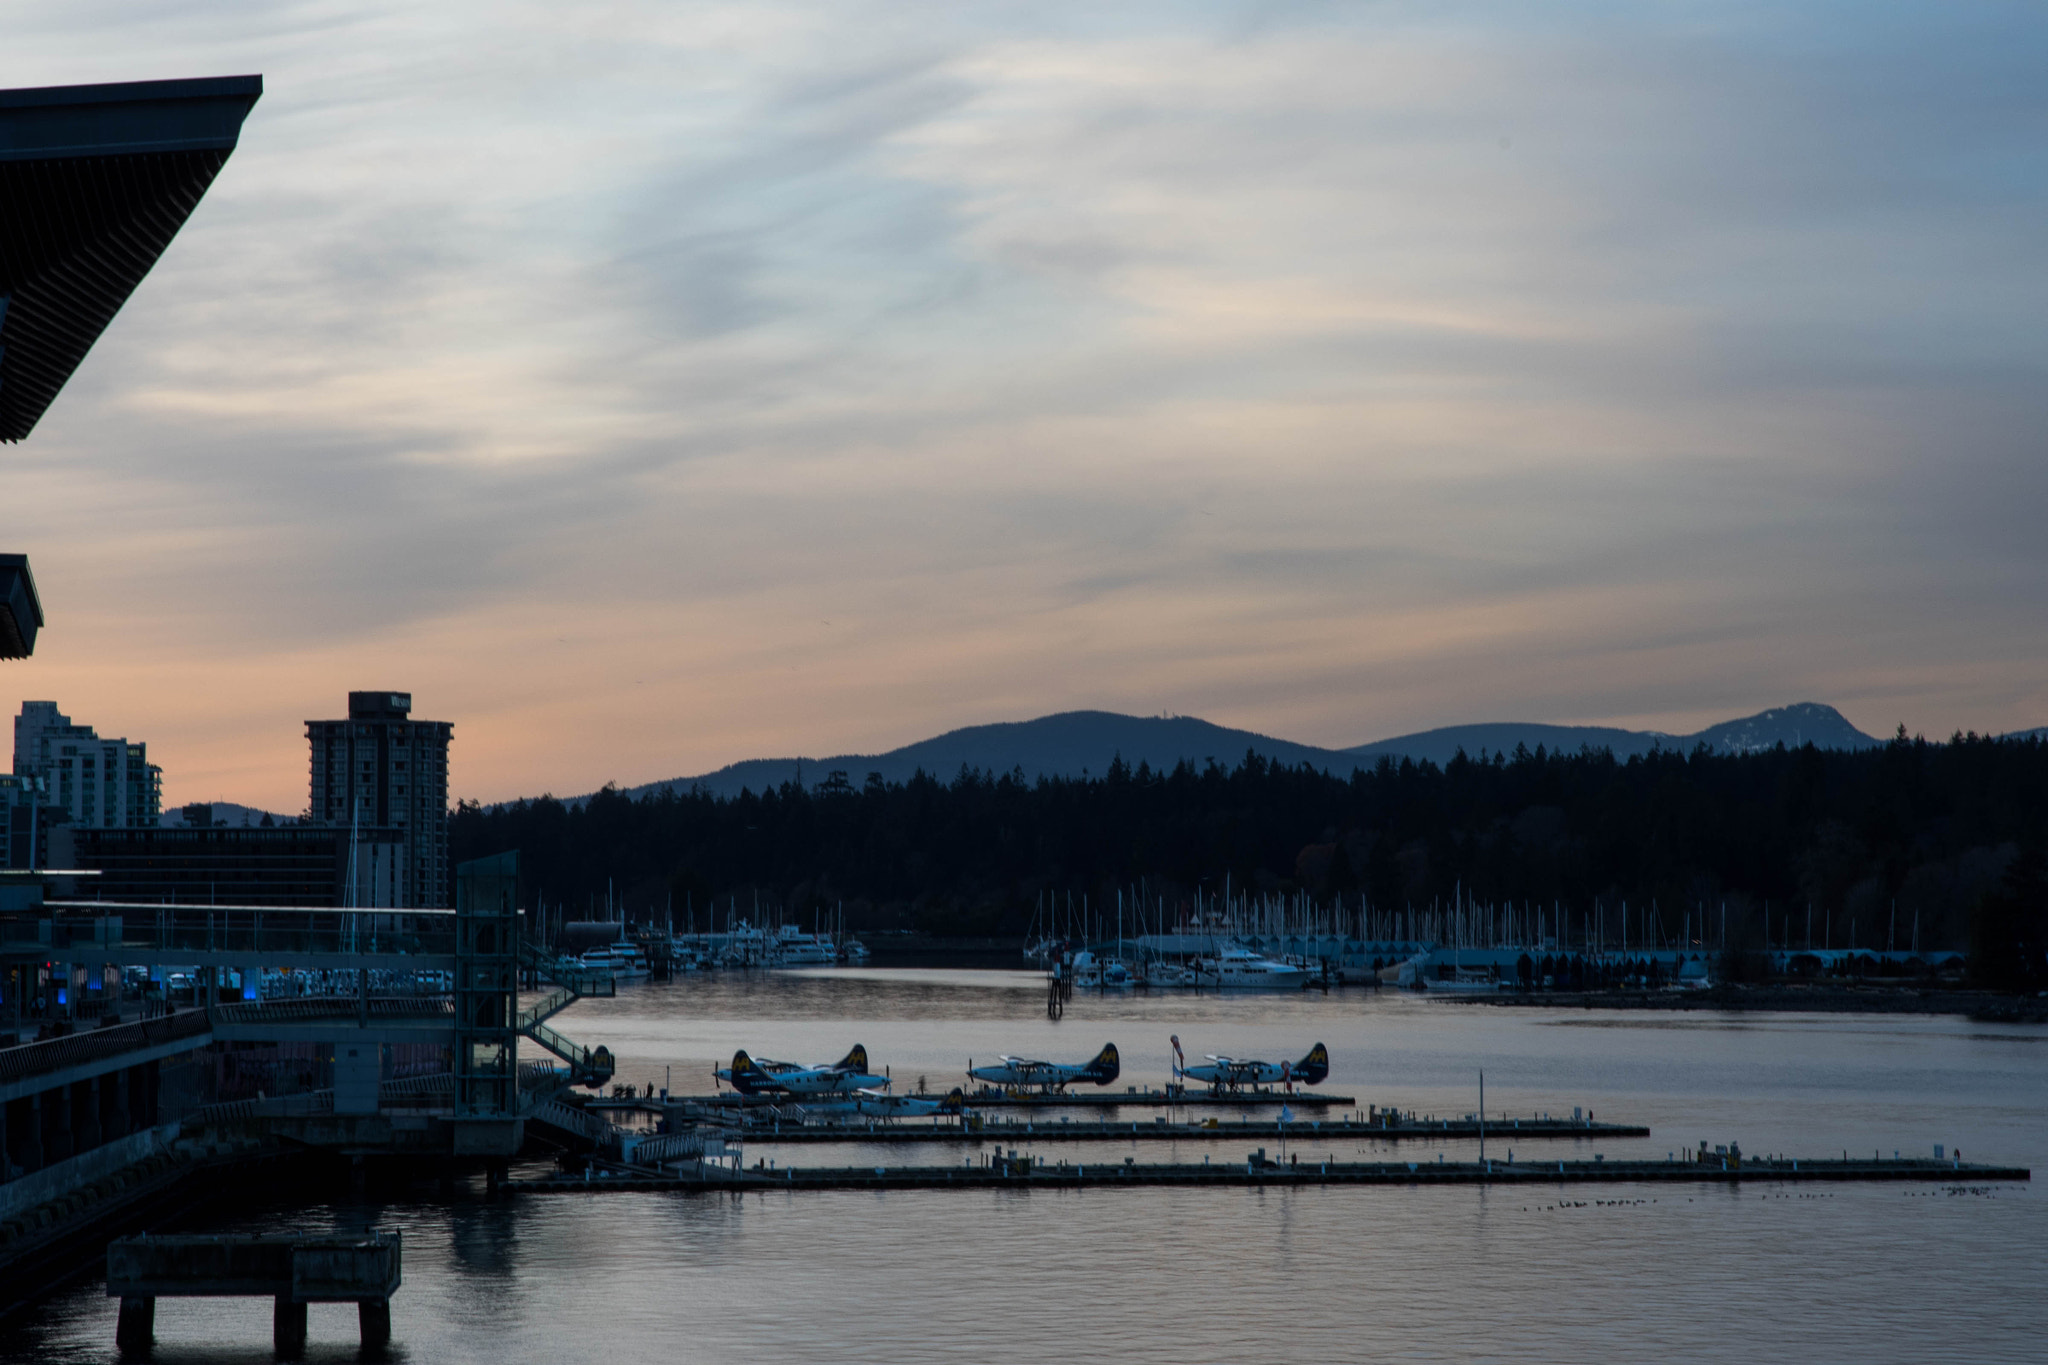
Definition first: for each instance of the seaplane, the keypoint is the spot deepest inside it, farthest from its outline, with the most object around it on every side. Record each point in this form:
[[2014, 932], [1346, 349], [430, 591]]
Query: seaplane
[[1021, 1073], [846, 1076], [1235, 1073]]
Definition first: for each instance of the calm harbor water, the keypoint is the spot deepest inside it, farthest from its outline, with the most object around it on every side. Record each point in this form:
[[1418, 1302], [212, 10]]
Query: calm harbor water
[[1622, 1274]]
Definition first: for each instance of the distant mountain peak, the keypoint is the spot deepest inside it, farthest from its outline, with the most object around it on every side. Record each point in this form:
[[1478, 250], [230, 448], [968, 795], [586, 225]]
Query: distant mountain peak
[[1801, 723], [1805, 722], [1074, 743]]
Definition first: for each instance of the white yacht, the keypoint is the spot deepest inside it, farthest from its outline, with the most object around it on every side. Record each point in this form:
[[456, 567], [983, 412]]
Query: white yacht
[[792, 947], [1241, 969], [622, 959], [1464, 979], [1092, 973], [1160, 972]]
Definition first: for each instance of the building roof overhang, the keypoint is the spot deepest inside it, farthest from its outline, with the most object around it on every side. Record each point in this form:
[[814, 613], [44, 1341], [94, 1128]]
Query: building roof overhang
[[21, 612], [95, 180]]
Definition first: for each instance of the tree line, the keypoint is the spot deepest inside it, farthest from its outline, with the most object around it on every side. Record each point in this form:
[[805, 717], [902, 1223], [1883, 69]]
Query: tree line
[[1861, 848]]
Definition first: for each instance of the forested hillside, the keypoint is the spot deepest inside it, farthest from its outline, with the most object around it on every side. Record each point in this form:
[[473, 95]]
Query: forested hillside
[[1911, 829]]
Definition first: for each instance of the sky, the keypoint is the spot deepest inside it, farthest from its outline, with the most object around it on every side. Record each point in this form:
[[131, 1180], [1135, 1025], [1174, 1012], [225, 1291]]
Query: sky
[[646, 387]]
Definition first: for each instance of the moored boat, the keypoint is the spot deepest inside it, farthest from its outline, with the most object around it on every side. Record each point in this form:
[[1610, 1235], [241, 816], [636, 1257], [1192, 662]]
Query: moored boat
[[1235, 968]]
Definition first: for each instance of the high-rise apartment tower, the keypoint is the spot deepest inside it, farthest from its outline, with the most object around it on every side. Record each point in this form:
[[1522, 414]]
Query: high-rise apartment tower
[[381, 771], [99, 783]]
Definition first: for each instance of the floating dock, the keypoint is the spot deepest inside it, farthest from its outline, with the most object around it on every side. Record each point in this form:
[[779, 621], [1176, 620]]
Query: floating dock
[[1159, 1130], [1014, 1172], [1145, 1098]]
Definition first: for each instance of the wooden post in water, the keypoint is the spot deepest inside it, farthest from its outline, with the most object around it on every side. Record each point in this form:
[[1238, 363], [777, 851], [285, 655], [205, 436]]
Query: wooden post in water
[[135, 1329], [1482, 1116]]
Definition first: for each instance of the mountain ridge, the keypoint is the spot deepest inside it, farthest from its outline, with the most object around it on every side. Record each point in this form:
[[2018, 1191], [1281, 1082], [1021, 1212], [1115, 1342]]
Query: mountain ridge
[[1074, 743]]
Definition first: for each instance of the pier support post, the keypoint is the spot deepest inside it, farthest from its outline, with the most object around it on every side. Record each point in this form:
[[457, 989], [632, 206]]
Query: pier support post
[[28, 1151], [288, 1328], [136, 1329], [114, 1106], [56, 1123], [495, 1172], [375, 1319], [85, 1115]]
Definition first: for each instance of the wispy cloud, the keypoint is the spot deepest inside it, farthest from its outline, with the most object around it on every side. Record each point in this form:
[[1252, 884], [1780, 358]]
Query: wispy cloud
[[651, 386]]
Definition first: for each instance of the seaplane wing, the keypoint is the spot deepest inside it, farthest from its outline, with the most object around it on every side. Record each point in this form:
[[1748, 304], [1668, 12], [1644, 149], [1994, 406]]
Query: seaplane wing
[[827, 1080], [751, 1076], [1230, 1073], [1033, 1074], [879, 1104]]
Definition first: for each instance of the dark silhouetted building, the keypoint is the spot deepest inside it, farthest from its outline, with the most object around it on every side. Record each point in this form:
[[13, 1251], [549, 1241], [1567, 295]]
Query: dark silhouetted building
[[382, 770], [286, 865], [105, 783]]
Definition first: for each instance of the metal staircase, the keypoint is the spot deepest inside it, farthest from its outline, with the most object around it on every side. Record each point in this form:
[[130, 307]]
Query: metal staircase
[[573, 982], [587, 1065]]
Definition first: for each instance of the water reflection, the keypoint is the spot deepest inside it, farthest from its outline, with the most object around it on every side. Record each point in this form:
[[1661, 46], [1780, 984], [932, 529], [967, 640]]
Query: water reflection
[[1624, 1274]]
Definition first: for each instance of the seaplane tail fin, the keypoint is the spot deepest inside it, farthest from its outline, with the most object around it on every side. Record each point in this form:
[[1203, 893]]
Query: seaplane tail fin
[[955, 1101], [856, 1060], [745, 1073], [1105, 1068], [1311, 1069]]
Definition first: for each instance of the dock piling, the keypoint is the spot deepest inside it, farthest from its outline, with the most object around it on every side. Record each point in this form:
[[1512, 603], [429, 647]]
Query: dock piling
[[373, 1317], [288, 1328], [135, 1332]]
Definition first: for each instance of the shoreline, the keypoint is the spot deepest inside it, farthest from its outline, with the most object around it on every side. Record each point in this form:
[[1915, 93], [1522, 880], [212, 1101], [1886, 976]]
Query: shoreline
[[1983, 1006]]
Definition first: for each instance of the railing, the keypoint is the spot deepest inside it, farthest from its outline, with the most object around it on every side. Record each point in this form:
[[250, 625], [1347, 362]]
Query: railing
[[54, 1054], [693, 1145], [548, 1006], [418, 1092], [336, 1007], [570, 1119], [542, 1076], [280, 933], [409, 1092], [573, 982], [306, 1104], [568, 973], [593, 1066]]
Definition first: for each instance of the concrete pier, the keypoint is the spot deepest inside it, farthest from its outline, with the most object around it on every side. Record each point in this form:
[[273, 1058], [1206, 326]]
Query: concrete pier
[[292, 1271]]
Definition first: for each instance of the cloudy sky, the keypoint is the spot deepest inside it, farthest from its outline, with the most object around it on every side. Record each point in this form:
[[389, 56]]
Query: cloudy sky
[[650, 386]]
